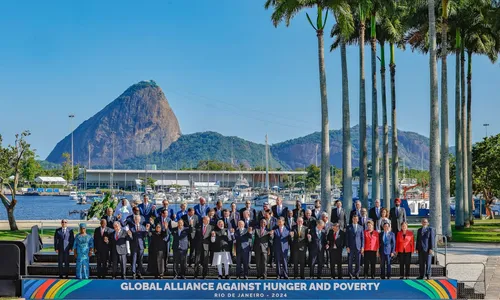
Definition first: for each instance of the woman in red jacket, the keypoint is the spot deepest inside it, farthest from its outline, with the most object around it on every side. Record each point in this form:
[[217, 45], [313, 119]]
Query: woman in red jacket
[[371, 249], [405, 246]]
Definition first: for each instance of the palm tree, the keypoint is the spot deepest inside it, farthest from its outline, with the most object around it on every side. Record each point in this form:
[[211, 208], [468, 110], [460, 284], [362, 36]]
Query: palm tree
[[375, 141], [285, 10], [459, 203], [435, 184]]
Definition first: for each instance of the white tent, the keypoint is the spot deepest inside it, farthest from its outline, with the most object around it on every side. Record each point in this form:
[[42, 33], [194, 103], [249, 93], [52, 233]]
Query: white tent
[[51, 180], [167, 183]]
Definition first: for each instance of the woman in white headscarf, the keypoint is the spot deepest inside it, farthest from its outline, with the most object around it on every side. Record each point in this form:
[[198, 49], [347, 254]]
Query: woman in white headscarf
[[124, 209]]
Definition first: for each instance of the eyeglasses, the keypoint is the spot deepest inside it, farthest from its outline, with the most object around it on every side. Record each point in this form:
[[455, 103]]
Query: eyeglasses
[[64, 222]]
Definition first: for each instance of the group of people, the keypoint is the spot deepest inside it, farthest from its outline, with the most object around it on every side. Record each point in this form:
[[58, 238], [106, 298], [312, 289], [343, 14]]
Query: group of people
[[276, 235]]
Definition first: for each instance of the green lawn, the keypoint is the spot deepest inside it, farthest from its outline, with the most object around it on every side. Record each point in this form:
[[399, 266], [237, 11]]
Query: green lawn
[[483, 231], [7, 235]]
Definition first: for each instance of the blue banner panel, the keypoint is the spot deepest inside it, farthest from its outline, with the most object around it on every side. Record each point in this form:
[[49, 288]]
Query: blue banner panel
[[231, 289]]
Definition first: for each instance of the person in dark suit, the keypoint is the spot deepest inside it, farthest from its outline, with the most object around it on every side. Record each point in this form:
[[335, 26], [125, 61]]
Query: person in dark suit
[[251, 210], [147, 208], [387, 251], [157, 252], [212, 214], [110, 219], [201, 209], [355, 243], [64, 239], [279, 210], [218, 211], [397, 216], [338, 215], [166, 224], [139, 234], [130, 219], [426, 237], [298, 211], [181, 213], [260, 214], [363, 221], [317, 212], [201, 237], [261, 247], [290, 221], [193, 221], [356, 211], [280, 237], [119, 240], [335, 243], [247, 220], [317, 243], [226, 220], [180, 245], [223, 245], [375, 212], [164, 206], [309, 220], [243, 242], [101, 248], [299, 244], [271, 223], [405, 246]]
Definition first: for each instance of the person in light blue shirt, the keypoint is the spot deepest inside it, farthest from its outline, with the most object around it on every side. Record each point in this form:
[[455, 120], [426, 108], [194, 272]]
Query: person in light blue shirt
[[84, 243]]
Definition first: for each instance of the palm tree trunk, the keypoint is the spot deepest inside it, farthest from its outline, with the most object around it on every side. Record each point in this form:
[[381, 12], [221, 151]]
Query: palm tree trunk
[[469, 138], [346, 131], [385, 149], [459, 213], [435, 183], [375, 143], [394, 128], [363, 159], [445, 162], [465, 193], [325, 133]]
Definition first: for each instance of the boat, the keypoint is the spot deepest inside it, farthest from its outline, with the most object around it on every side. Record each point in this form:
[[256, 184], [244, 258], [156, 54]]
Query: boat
[[241, 189], [82, 198], [73, 196], [269, 198]]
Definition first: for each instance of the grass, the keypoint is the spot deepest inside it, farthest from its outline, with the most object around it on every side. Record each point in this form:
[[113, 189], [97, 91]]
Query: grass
[[483, 231], [7, 235]]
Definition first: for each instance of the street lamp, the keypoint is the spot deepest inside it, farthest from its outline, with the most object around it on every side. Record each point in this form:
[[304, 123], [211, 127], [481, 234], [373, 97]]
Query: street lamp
[[71, 116], [486, 127]]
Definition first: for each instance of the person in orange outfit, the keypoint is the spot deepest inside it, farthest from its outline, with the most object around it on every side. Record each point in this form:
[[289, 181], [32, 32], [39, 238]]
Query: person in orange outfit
[[371, 249], [405, 246]]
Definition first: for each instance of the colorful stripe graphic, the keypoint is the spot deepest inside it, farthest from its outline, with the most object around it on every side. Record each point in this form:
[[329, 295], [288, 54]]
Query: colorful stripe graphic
[[52, 288], [434, 289]]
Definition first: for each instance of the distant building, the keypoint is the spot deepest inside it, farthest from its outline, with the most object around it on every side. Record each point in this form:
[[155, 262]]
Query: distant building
[[51, 180]]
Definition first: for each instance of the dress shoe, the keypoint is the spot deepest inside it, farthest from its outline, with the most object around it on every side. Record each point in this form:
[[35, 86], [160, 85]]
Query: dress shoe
[[389, 277], [302, 277], [407, 277], [204, 277], [419, 278], [123, 277], [220, 277], [428, 277], [340, 277], [60, 276], [67, 277], [319, 277], [372, 277], [134, 276], [195, 277], [114, 277], [246, 277], [357, 277], [139, 276], [161, 276], [382, 277], [350, 276], [366, 277], [227, 277], [175, 277]]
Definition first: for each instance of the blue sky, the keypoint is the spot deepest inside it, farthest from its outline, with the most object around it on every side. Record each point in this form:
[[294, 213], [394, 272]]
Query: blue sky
[[222, 65]]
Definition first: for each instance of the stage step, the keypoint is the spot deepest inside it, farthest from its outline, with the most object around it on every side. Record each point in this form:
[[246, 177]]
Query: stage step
[[467, 292], [52, 270]]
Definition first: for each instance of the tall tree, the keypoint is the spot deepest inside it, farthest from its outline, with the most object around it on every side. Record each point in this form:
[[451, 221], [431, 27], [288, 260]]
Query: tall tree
[[459, 202], [463, 108], [435, 184], [285, 10], [375, 140]]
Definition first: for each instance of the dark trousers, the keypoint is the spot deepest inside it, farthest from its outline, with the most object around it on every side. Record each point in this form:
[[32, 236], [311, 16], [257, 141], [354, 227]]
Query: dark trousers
[[102, 263], [316, 258], [63, 258], [192, 253], [370, 261], [165, 256], [404, 264], [180, 257], [299, 257], [270, 258], [160, 267], [354, 257], [261, 262], [137, 256], [202, 257], [122, 258], [385, 265], [336, 260], [281, 258], [242, 259], [424, 263]]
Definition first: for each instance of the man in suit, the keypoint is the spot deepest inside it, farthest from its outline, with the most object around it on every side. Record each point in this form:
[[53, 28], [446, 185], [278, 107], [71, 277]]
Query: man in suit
[[193, 221], [271, 223], [119, 240], [166, 225], [218, 211], [397, 216], [426, 237], [355, 244], [335, 244], [374, 212], [201, 209], [299, 245], [328, 226], [387, 250], [261, 248], [290, 220], [243, 242], [356, 211], [101, 248], [298, 211], [279, 210], [201, 236], [165, 207], [147, 208], [317, 212], [260, 214], [63, 244], [181, 212], [338, 215], [251, 210], [180, 245], [110, 219], [130, 219], [280, 237], [317, 243], [139, 233], [247, 220], [309, 220], [363, 220]]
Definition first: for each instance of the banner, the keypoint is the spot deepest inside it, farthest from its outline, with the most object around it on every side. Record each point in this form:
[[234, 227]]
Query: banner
[[230, 289]]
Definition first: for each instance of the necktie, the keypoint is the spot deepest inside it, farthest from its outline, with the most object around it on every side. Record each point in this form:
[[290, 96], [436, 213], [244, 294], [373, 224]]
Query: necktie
[[204, 229], [279, 210], [137, 228], [300, 229], [397, 211], [64, 231], [385, 238], [355, 227], [116, 236], [377, 212], [281, 230], [102, 231], [338, 212], [318, 233]]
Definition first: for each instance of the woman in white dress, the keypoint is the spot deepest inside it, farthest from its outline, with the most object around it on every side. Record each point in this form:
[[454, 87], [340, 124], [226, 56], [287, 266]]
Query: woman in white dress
[[222, 241], [124, 209]]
